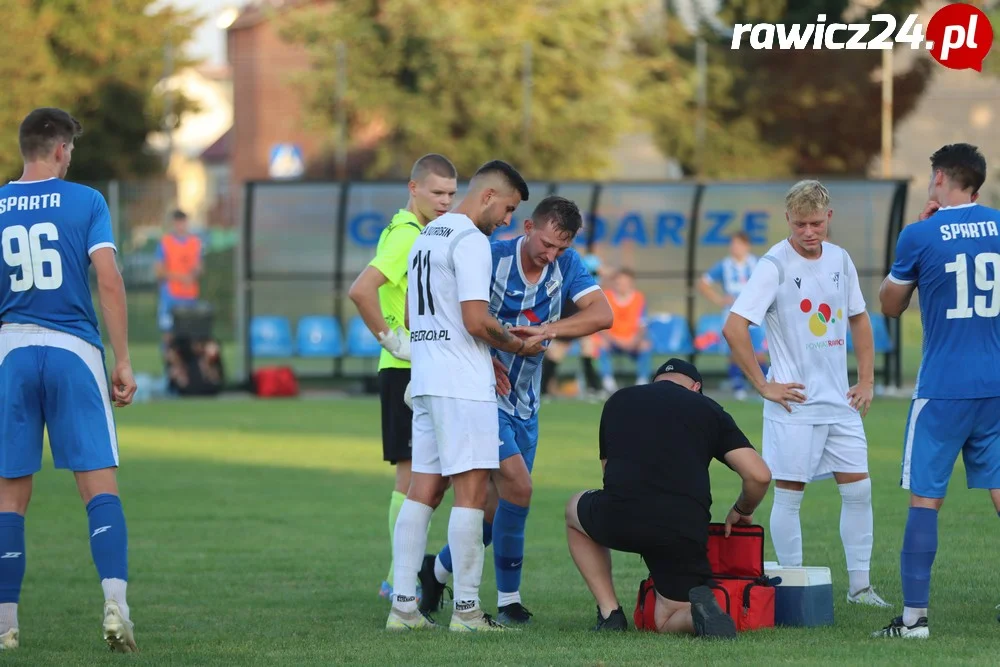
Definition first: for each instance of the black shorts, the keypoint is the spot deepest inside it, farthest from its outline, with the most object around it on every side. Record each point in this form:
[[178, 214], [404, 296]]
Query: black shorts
[[677, 559], [397, 418]]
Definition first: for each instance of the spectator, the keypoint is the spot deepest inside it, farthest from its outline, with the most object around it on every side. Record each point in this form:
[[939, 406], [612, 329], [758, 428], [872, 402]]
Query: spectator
[[178, 268], [721, 284], [628, 333]]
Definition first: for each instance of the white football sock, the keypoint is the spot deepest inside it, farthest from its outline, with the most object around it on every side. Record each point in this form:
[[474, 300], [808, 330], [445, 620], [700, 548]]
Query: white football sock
[[504, 599], [440, 573], [857, 527], [408, 543], [114, 589], [913, 614], [465, 535], [786, 529], [8, 616]]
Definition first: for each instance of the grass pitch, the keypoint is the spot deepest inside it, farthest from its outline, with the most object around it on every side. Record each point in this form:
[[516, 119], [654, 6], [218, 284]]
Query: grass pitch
[[258, 536]]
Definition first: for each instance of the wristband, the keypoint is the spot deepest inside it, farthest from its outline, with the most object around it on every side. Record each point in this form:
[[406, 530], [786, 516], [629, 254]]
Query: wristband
[[737, 509]]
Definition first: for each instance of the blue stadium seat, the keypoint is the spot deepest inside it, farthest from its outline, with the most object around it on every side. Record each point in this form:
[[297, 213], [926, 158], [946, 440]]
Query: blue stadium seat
[[360, 341], [320, 336], [710, 329], [271, 336], [670, 334], [880, 332]]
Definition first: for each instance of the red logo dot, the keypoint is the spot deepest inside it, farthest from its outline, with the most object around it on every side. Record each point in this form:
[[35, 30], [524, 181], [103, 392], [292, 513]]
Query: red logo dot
[[806, 305], [824, 310]]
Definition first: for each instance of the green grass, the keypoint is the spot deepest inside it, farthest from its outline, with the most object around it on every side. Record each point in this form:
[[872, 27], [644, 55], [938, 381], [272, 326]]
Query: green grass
[[258, 536]]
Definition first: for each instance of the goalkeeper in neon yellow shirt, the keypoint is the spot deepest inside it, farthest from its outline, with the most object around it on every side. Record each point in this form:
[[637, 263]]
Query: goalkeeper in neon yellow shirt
[[380, 296]]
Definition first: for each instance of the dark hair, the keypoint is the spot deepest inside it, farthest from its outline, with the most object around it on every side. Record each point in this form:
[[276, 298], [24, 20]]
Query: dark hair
[[43, 128], [179, 215], [560, 212], [742, 236], [509, 174], [433, 163], [963, 164]]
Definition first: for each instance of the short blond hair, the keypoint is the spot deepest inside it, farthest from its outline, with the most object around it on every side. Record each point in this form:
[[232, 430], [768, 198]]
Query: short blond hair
[[807, 197]]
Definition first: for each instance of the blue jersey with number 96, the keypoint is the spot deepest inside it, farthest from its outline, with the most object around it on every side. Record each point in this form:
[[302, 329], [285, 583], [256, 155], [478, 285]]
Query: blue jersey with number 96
[[953, 257], [49, 230]]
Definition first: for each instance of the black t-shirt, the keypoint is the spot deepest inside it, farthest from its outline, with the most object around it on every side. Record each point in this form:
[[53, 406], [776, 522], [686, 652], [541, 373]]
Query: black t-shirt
[[659, 440]]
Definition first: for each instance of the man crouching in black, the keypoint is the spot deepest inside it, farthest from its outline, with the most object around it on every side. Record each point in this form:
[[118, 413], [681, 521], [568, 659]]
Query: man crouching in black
[[656, 443]]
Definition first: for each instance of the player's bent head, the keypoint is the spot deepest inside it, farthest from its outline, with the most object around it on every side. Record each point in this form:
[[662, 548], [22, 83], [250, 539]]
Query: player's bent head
[[807, 198], [47, 131], [497, 173], [559, 215], [962, 164], [433, 164]]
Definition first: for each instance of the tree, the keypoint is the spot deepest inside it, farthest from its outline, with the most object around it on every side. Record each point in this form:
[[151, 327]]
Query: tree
[[98, 59], [449, 77], [802, 112]]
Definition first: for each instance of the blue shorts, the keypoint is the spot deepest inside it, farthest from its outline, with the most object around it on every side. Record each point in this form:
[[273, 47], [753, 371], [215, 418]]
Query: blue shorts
[[937, 430], [518, 436], [54, 380], [164, 312]]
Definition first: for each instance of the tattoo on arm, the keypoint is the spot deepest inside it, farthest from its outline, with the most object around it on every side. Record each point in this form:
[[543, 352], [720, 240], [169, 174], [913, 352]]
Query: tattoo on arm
[[499, 335]]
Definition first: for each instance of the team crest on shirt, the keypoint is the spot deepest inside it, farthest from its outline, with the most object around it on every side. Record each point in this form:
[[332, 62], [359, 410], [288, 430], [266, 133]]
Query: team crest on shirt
[[836, 278], [551, 287]]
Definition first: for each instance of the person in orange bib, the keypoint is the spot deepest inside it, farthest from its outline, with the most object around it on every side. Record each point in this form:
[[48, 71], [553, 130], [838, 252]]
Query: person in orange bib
[[178, 268], [628, 334]]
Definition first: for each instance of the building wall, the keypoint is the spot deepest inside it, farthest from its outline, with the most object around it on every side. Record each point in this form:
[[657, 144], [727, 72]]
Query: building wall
[[268, 108]]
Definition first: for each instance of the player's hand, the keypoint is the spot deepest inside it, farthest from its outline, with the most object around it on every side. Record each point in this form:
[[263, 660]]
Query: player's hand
[[734, 518], [122, 384], [784, 394], [396, 342], [930, 208], [534, 339], [861, 396], [408, 397], [503, 382], [528, 332]]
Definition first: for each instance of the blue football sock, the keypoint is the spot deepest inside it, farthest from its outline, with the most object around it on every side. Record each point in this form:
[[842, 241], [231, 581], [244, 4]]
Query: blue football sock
[[644, 365], [917, 557], [735, 377], [108, 536], [508, 552], [605, 365], [445, 554], [12, 561]]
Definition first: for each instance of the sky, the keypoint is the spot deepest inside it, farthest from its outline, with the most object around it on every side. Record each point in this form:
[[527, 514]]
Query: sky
[[209, 41]]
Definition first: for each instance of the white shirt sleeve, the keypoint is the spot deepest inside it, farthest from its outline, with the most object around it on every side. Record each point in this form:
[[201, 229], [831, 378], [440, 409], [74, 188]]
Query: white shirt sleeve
[[759, 293], [473, 267], [855, 299]]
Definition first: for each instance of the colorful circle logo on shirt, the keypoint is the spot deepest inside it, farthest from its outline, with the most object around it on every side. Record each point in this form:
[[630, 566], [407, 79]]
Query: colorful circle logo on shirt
[[819, 320]]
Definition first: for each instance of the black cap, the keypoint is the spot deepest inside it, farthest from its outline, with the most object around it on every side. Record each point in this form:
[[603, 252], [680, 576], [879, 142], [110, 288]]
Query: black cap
[[679, 366]]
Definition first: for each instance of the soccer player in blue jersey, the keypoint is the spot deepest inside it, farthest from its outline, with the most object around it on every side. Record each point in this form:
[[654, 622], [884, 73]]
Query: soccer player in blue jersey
[[52, 371], [534, 276], [721, 284], [953, 257]]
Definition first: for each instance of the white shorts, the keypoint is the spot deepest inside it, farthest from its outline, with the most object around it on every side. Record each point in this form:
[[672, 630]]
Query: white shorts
[[454, 435], [811, 452]]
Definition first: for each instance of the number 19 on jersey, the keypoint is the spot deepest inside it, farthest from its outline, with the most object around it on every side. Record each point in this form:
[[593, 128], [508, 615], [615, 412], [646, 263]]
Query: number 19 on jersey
[[983, 305]]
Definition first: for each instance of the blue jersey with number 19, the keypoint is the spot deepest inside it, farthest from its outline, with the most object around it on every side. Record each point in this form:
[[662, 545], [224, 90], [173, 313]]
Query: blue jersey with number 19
[[49, 230], [953, 257]]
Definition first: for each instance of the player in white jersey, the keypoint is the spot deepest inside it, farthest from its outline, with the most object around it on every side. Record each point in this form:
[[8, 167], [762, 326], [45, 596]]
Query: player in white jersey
[[453, 388], [807, 291]]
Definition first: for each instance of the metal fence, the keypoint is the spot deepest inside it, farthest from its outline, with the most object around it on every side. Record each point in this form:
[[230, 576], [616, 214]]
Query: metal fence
[[303, 243]]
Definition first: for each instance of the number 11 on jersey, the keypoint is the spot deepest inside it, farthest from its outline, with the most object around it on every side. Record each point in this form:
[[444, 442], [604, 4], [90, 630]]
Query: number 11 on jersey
[[422, 267], [982, 305]]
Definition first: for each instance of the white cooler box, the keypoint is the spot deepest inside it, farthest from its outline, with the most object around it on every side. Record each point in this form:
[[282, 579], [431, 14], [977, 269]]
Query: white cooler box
[[804, 598]]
